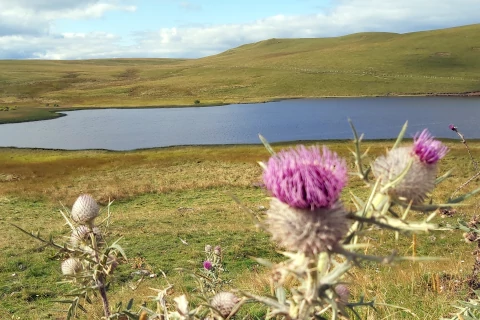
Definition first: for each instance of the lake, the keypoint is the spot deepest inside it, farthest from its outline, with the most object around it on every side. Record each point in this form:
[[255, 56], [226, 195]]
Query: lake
[[287, 120]]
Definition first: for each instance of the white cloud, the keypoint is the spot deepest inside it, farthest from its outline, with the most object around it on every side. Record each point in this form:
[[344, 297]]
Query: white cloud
[[47, 5], [35, 17], [344, 17], [95, 10], [64, 46]]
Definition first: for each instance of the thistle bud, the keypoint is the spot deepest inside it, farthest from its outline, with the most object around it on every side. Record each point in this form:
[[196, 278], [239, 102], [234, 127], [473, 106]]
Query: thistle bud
[[208, 248], [224, 302], [71, 266], [85, 209], [343, 293], [217, 250], [81, 236]]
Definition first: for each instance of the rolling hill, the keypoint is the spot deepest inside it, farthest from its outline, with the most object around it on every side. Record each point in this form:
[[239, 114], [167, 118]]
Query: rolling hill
[[362, 64]]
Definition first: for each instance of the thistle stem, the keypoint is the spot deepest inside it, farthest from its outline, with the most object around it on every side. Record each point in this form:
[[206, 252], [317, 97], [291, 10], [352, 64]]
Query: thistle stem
[[103, 294], [100, 278], [311, 292]]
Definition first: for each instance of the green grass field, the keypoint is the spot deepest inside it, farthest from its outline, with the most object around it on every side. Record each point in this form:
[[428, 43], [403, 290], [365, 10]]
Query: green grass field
[[164, 195], [364, 64]]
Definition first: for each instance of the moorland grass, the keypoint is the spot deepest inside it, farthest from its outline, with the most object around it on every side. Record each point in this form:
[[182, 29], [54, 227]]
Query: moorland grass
[[363, 64], [164, 196]]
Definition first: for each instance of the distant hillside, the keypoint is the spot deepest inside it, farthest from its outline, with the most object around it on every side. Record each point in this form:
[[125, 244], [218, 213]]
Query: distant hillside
[[446, 52], [437, 61]]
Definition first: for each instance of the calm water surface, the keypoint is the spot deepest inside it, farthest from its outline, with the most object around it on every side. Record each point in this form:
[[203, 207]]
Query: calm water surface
[[305, 119]]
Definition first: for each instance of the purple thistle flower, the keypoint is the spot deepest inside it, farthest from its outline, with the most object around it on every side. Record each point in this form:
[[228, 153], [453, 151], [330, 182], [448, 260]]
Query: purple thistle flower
[[207, 265], [452, 127], [306, 177], [428, 149]]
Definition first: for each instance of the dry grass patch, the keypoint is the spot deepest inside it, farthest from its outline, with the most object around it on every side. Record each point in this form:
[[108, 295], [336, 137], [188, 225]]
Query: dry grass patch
[[62, 176]]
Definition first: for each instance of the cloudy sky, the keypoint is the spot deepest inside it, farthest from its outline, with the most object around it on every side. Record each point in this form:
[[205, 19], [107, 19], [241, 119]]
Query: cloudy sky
[[85, 29]]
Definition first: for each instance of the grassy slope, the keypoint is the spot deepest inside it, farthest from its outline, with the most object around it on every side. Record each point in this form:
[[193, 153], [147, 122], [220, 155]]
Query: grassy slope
[[166, 194], [436, 61]]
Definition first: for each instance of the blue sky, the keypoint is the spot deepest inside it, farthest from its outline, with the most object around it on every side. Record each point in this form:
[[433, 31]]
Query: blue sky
[[155, 14], [85, 29]]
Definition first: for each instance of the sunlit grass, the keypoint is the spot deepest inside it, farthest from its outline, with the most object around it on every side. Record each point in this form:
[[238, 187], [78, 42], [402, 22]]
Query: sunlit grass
[[164, 196]]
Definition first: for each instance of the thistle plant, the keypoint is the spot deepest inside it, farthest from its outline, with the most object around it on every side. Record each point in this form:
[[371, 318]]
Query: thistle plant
[[210, 276], [89, 262], [222, 305], [320, 236], [215, 302]]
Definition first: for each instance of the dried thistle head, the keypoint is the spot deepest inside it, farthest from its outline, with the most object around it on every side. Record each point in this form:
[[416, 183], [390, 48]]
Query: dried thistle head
[[208, 248], [81, 236], [71, 266], [310, 232], [85, 209], [306, 177], [224, 303]]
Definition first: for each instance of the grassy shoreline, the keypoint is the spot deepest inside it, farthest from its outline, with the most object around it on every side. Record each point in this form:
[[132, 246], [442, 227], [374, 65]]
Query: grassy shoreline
[[40, 114], [280, 144]]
